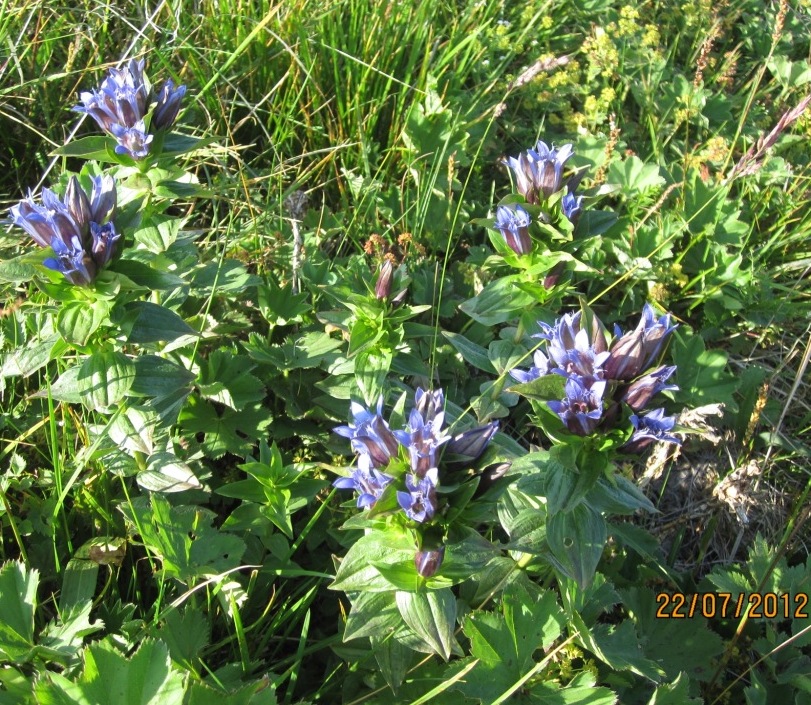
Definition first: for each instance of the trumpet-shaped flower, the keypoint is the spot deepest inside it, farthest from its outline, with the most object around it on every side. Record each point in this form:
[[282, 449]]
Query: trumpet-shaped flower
[[638, 349], [367, 482], [582, 408], [513, 223], [425, 434], [572, 206], [641, 390], [419, 502], [542, 366], [651, 427], [539, 171], [78, 229]]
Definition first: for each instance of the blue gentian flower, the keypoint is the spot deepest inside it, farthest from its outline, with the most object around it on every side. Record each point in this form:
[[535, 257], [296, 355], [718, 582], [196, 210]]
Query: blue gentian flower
[[370, 435], [654, 426], [641, 390], [79, 229], [425, 434], [470, 444], [582, 408], [573, 350], [638, 349], [539, 171], [121, 104], [572, 206], [419, 502], [368, 482], [540, 368], [513, 223]]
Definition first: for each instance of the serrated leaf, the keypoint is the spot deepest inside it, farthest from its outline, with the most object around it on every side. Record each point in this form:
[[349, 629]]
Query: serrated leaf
[[224, 430], [675, 693], [18, 590], [701, 374], [504, 643], [223, 277], [225, 378], [109, 677], [634, 176], [186, 633], [66, 635], [431, 615]]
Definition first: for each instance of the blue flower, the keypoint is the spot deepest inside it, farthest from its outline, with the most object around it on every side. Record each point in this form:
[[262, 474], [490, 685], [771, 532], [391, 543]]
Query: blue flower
[[122, 103], [572, 206], [370, 435], [78, 229], [471, 444], [367, 482], [651, 427], [419, 502], [573, 350], [540, 170], [582, 408], [641, 390], [640, 348], [540, 368], [513, 223], [425, 434]]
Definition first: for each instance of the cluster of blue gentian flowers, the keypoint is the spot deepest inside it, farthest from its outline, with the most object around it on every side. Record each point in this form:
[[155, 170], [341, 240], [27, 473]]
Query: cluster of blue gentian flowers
[[79, 228], [600, 377], [123, 104], [538, 176], [422, 443]]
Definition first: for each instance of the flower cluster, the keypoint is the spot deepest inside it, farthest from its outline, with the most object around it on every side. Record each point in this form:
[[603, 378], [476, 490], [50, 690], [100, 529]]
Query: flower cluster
[[78, 228], [421, 443], [600, 376], [538, 175], [122, 104]]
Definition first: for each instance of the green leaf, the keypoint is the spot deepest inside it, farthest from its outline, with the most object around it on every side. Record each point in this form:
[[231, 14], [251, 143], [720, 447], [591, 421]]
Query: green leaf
[[675, 693], [223, 277], [165, 473], [634, 176], [15, 688], [156, 376], [576, 539], [109, 677], [432, 616], [17, 270], [158, 232], [372, 614], [18, 594], [371, 369], [97, 147], [225, 378], [152, 323], [186, 633], [225, 430], [261, 692], [105, 378], [505, 643], [362, 336], [174, 143], [471, 353], [701, 374], [356, 571], [393, 658], [498, 302], [67, 387], [618, 496], [35, 354], [78, 320], [145, 276], [64, 638]]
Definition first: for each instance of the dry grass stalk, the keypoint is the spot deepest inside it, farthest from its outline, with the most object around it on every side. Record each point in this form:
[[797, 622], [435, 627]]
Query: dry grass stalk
[[750, 162]]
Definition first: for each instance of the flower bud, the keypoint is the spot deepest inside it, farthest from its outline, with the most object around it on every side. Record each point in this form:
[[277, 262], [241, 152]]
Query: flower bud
[[384, 279], [429, 561]]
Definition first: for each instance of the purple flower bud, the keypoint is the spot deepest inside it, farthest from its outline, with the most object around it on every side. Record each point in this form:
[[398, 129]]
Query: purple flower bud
[[383, 285], [641, 390], [639, 349], [168, 105], [471, 444], [429, 561], [513, 223], [103, 200], [78, 205]]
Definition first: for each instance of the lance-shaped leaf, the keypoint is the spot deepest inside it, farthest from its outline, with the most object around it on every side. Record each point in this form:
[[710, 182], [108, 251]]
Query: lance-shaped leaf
[[577, 539], [432, 616]]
